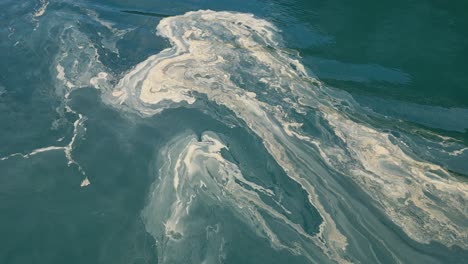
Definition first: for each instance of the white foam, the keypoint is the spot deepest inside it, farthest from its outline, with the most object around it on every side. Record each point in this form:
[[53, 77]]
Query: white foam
[[399, 184], [195, 65], [100, 80], [33, 152], [197, 171], [209, 49], [85, 182], [77, 63], [109, 41], [39, 12], [78, 128]]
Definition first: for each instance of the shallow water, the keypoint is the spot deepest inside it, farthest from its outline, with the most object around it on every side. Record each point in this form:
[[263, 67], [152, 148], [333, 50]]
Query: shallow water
[[233, 132]]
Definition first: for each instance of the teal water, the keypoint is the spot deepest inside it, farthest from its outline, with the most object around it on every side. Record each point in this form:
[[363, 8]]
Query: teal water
[[233, 132]]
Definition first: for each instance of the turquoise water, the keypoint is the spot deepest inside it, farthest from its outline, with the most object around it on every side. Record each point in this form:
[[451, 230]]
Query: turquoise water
[[233, 132]]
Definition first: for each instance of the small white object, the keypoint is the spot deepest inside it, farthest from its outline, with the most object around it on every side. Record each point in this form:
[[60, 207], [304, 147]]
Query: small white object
[[85, 182]]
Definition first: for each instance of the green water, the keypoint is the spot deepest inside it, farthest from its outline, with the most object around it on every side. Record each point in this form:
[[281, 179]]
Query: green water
[[309, 132]]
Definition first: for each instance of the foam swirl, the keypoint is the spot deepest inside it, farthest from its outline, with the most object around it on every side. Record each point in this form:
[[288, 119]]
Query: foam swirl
[[237, 61]]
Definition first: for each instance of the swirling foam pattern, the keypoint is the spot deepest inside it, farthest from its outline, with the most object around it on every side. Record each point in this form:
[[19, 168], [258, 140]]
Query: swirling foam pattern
[[237, 62]]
